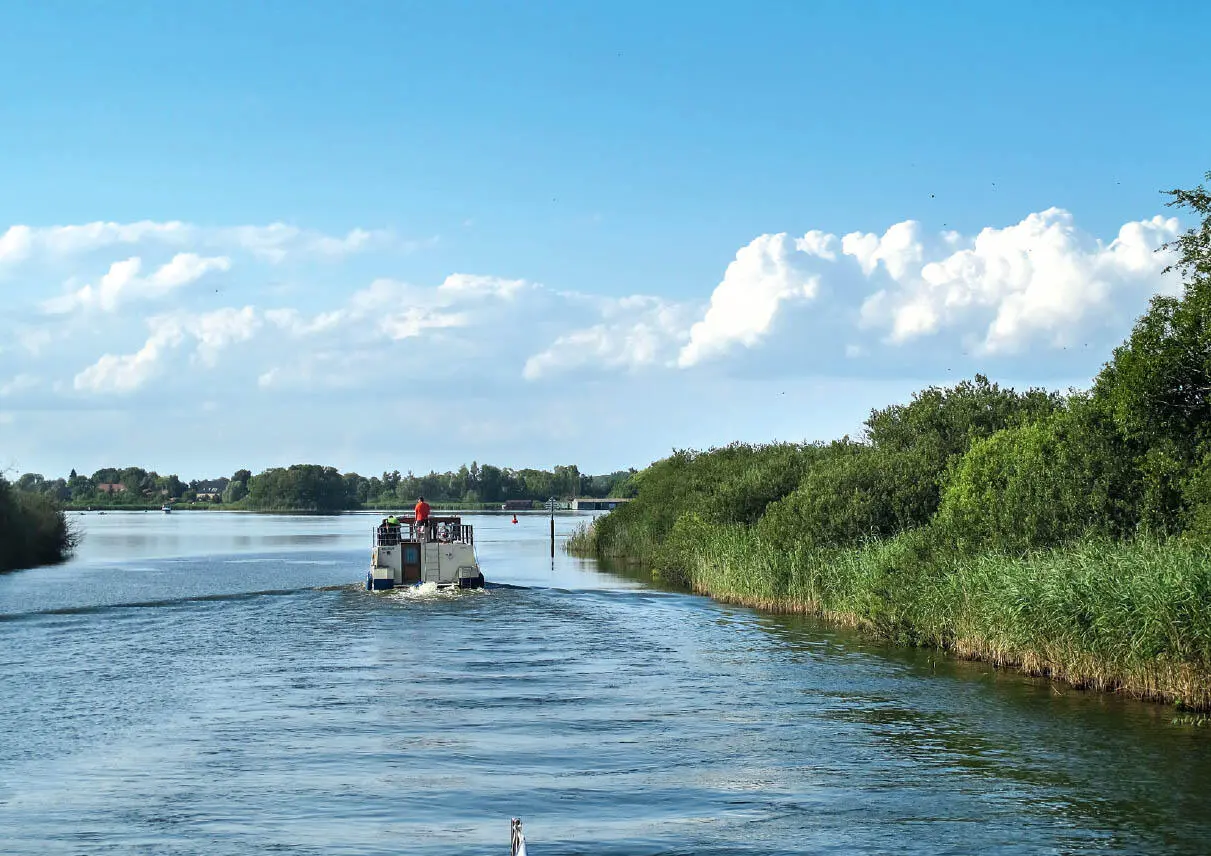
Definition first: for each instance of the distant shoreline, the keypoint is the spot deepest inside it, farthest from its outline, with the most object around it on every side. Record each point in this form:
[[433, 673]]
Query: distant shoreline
[[402, 509]]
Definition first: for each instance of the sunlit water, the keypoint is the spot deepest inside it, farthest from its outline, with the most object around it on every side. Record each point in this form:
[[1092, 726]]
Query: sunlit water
[[213, 683]]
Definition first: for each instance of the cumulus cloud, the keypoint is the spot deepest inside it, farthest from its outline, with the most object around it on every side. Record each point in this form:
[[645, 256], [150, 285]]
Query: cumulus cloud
[[401, 310], [486, 286], [634, 332], [123, 283], [212, 332], [215, 331], [127, 372], [860, 302], [1040, 278], [763, 277], [20, 242]]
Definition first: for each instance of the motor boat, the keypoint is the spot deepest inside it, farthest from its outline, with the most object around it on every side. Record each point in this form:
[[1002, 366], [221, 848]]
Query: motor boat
[[439, 550]]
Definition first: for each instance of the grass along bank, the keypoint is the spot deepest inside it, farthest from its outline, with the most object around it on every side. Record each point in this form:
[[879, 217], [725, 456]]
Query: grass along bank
[[1128, 617]]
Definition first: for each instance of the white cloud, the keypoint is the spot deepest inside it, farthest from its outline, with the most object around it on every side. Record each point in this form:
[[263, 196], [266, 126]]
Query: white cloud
[[414, 320], [122, 283], [872, 298], [400, 310], [635, 332], [763, 276], [220, 329], [463, 284], [73, 240], [1041, 277], [212, 332], [127, 372], [274, 242], [185, 268], [278, 241], [16, 244], [900, 249]]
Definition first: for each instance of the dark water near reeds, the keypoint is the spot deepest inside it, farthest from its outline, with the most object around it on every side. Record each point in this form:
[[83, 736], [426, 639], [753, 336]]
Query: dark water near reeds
[[219, 684]]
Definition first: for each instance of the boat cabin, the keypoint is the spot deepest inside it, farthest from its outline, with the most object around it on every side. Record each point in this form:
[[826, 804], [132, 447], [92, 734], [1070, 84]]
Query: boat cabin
[[439, 550]]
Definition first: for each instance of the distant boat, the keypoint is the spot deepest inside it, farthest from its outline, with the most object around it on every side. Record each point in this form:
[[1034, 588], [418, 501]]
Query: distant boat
[[167, 509]]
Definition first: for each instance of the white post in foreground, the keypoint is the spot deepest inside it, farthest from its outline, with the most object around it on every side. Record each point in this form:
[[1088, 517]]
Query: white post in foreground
[[517, 846]]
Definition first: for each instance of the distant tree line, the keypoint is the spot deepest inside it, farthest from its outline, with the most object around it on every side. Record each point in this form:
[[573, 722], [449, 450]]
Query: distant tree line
[[314, 487]]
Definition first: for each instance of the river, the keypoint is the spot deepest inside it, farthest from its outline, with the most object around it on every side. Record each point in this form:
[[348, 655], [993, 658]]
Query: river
[[217, 683]]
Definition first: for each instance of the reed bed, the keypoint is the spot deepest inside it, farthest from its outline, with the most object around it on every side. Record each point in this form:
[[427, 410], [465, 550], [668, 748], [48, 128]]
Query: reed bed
[[1127, 617]]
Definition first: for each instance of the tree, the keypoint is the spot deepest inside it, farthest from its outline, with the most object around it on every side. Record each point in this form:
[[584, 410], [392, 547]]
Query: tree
[[31, 482], [491, 481], [566, 481], [1194, 247], [1042, 484], [235, 491], [307, 487]]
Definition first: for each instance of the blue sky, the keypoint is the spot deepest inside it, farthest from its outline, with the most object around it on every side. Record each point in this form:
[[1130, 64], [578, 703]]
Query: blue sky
[[569, 232]]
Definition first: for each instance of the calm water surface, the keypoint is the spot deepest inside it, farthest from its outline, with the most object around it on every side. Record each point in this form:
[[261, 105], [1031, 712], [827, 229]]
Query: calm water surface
[[215, 683]]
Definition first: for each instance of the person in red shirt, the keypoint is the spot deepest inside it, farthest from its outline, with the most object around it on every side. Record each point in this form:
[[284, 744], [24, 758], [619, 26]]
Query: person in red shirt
[[422, 515]]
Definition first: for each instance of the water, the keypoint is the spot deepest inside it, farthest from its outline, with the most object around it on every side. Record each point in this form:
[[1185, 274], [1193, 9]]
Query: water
[[215, 684]]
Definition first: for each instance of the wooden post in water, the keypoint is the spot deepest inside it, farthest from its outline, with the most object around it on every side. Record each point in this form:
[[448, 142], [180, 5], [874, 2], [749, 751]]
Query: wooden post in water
[[551, 506]]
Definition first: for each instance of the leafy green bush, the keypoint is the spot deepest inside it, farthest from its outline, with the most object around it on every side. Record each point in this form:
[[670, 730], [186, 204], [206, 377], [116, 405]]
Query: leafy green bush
[[1040, 485], [33, 529]]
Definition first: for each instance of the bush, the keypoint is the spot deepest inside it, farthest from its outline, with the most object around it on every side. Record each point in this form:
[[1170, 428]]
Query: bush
[[1041, 485], [853, 493], [33, 530]]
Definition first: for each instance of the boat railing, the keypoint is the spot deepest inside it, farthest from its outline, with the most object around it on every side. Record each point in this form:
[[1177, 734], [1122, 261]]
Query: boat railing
[[439, 529]]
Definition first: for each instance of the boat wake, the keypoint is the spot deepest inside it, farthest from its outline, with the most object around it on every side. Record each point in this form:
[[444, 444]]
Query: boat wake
[[430, 591]]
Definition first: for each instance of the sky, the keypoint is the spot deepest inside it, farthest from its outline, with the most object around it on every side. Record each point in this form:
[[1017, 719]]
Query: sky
[[407, 236]]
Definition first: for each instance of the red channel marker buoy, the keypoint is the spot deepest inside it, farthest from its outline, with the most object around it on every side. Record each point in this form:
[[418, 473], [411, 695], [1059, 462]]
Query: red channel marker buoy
[[514, 518]]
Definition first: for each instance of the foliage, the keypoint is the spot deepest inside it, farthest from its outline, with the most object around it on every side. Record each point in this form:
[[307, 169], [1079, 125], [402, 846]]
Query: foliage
[[1157, 385], [733, 484], [852, 492], [303, 487], [1041, 484], [33, 529], [1194, 246]]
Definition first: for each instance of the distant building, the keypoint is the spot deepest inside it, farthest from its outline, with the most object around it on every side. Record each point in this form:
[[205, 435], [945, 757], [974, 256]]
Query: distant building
[[517, 505], [588, 503], [209, 491], [111, 488]]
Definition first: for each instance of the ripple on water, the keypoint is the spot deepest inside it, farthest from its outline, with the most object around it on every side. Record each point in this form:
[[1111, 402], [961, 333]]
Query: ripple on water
[[323, 718]]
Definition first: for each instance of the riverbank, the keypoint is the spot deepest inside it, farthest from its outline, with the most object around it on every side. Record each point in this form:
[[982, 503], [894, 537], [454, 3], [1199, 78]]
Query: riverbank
[[1113, 617]]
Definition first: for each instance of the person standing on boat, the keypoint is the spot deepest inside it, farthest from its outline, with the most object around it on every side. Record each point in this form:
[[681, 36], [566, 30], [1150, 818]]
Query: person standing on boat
[[422, 516]]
